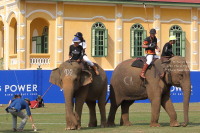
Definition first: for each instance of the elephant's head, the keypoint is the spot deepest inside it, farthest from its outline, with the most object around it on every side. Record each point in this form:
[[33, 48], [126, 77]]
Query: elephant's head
[[73, 73], [178, 74], [70, 77]]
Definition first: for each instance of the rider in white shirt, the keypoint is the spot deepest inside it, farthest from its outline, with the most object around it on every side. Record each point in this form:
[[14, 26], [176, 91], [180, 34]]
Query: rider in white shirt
[[85, 58]]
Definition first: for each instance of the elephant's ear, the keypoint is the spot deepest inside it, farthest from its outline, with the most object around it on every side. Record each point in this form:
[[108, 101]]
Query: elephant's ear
[[86, 77], [166, 66], [55, 77], [168, 78]]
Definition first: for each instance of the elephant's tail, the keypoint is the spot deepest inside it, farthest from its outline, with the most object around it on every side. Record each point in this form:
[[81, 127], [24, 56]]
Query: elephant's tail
[[107, 100], [107, 90]]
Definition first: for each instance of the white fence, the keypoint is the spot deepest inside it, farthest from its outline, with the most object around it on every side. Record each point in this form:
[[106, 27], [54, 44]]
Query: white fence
[[42, 61]]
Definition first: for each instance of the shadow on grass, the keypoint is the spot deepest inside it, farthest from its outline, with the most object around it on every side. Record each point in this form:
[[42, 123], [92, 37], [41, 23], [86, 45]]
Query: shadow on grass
[[148, 124], [25, 131], [191, 124], [98, 127]]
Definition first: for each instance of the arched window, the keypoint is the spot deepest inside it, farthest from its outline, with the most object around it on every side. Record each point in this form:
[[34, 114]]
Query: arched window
[[138, 34], [99, 40], [179, 46], [41, 41]]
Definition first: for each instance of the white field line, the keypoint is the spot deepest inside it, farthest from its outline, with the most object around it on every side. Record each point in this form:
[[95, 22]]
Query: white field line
[[99, 112]]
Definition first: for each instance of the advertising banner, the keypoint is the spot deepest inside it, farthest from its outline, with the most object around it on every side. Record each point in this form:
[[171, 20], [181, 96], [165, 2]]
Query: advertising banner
[[31, 83]]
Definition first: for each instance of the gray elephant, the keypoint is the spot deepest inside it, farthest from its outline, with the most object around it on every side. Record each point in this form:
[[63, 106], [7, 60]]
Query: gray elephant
[[85, 86], [127, 86]]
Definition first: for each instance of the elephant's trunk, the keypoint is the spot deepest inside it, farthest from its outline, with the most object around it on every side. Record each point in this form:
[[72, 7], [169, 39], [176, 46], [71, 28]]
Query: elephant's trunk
[[68, 93], [186, 89]]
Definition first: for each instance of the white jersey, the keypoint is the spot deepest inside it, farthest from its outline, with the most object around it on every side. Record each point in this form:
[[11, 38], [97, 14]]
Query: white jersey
[[83, 44]]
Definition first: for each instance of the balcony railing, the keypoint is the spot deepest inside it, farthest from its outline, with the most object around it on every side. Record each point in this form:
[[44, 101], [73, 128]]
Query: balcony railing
[[42, 59]]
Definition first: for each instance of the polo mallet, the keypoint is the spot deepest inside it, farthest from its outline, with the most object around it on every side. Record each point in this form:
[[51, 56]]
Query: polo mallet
[[146, 15]]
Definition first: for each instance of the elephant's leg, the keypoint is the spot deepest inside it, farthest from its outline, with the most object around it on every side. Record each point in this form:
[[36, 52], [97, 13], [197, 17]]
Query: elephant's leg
[[113, 109], [155, 99], [115, 102], [71, 121], [80, 99], [93, 118], [101, 104], [169, 108], [125, 113]]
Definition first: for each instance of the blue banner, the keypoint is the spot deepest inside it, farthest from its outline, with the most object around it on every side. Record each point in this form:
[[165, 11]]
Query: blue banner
[[31, 83]]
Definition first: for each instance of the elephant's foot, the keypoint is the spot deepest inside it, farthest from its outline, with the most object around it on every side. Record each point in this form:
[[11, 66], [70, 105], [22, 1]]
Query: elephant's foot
[[127, 123], [154, 125], [92, 124], [79, 127], [184, 124], [111, 124], [71, 127], [103, 124], [174, 124]]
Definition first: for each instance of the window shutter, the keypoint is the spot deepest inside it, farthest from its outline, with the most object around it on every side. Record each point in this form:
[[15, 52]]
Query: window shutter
[[93, 42], [144, 35], [183, 44], [39, 44], [132, 43], [106, 43]]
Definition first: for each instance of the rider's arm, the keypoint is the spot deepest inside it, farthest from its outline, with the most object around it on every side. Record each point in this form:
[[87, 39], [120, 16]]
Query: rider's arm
[[81, 55], [70, 52], [144, 45], [158, 48]]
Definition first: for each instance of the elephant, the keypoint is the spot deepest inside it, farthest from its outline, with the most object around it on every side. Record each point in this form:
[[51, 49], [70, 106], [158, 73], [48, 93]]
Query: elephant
[[84, 86], [126, 86]]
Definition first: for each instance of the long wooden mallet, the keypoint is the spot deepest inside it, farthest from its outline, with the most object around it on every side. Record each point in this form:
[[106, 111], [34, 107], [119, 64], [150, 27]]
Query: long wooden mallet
[[146, 15]]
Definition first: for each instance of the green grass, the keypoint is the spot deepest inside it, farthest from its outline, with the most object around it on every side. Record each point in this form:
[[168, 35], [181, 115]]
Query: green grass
[[140, 116]]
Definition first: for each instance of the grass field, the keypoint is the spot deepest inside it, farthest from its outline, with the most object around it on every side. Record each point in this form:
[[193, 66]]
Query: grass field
[[52, 119]]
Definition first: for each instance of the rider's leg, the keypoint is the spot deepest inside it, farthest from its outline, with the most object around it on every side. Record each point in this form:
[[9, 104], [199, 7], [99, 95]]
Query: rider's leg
[[149, 60], [86, 59], [156, 56]]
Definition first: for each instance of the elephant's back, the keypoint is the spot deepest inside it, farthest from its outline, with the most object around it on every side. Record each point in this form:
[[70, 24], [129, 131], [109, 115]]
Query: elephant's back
[[124, 68], [126, 80]]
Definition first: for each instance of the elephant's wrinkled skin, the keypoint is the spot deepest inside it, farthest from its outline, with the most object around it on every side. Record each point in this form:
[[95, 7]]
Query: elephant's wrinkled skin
[[127, 86], [85, 86]]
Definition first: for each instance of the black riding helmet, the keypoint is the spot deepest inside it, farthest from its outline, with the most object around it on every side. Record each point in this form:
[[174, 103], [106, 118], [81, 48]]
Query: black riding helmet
[[79, 35], [152, 31]]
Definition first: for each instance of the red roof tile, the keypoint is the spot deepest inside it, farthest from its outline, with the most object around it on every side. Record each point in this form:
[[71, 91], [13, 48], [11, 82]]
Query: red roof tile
[[177, 1]]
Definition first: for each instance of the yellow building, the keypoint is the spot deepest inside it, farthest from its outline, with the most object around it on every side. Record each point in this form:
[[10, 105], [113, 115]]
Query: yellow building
[[40, 32]]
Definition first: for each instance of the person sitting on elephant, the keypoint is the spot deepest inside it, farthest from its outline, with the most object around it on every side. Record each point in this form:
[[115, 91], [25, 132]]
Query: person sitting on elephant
[[167, 49], [85, 57], [76, 50], [150, 44]]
